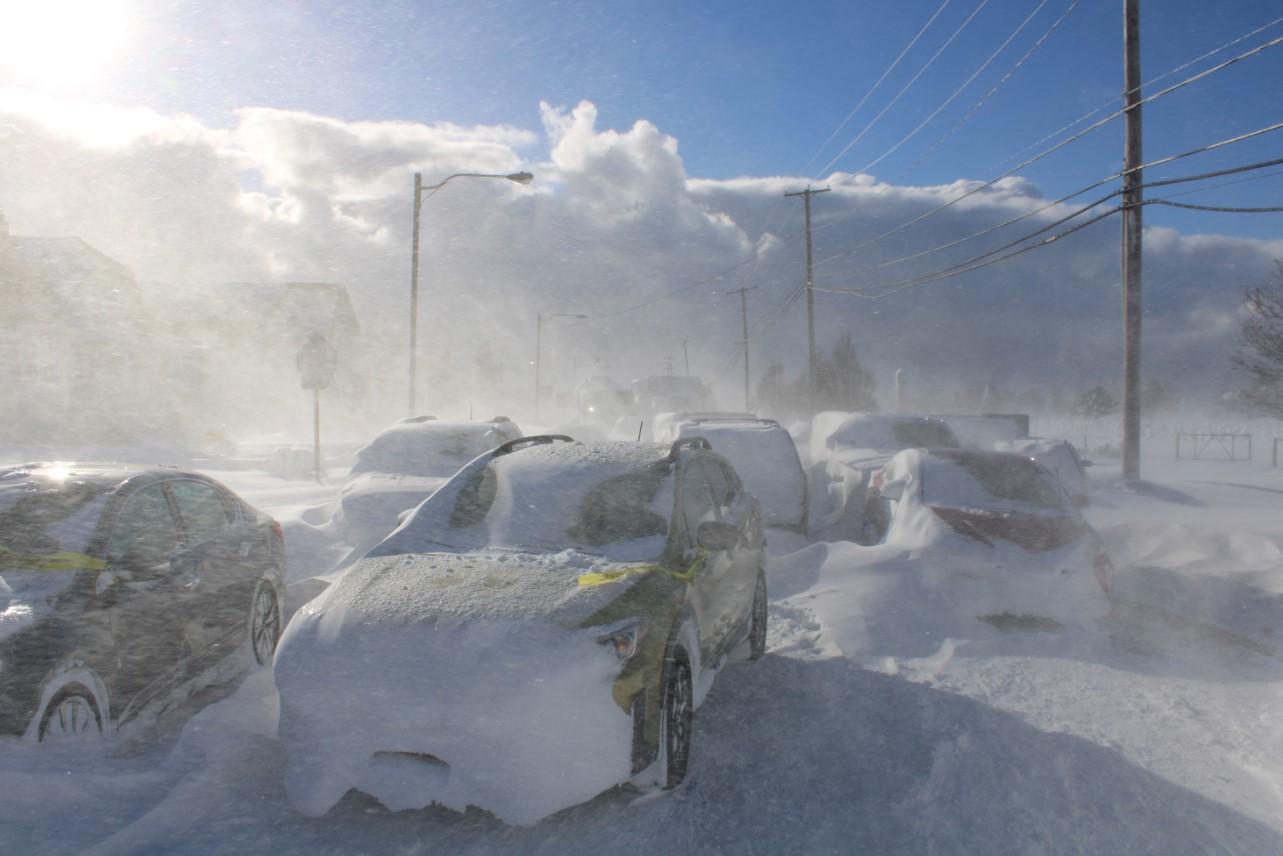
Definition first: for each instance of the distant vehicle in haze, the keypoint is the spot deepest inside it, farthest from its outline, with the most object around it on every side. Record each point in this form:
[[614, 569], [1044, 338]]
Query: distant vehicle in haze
[[539, 630], [670, 394], [601, 401], [122, 589], [997, 530], [403, 465], [762, 453], [1060, 458], [864, 442]]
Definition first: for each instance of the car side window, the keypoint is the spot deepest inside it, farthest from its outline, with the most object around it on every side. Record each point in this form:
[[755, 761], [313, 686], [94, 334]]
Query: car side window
[[724, 485], [201, 507], [697, 499], [145, 532]]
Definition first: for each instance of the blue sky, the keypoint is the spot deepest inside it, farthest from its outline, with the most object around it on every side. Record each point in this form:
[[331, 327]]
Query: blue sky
[[747, 88]]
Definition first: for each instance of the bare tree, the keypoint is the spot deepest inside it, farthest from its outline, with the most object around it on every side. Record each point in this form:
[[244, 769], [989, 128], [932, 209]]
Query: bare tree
[[1259, 358]]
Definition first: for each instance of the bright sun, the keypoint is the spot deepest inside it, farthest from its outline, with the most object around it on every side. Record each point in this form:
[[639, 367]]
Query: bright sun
[[60, 42]]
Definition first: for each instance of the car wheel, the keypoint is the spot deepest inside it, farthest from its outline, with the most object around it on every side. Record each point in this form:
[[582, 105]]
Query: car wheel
[[757, 630], [676, 718], [264, 623], [71, 719]]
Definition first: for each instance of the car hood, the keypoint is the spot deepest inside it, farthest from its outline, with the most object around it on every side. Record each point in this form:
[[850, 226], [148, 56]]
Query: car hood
[[565, 587]]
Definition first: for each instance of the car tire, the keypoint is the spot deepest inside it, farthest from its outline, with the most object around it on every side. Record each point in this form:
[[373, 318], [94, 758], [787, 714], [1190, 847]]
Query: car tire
[[676, 713], [264, 623], [72, 717], [757, 626]]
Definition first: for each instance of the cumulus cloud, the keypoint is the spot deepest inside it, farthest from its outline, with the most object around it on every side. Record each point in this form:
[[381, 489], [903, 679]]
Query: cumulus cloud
[[611, 222]]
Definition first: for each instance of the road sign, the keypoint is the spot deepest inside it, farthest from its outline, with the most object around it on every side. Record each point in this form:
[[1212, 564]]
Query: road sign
[[316, 362]]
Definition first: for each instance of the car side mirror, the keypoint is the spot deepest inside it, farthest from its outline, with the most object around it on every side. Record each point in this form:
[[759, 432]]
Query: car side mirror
[[715, 535], [892, 490]]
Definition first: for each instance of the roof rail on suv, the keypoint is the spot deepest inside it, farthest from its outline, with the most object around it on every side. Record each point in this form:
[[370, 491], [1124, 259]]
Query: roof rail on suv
[[534, 440], [685, 443]]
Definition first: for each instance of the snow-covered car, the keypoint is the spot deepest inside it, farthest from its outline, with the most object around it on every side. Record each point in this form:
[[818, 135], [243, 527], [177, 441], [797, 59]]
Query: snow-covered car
[[1010, 547], [120, 588], [539, 630], [861, 445], [762, 453], [403, 466], [1060, 458]]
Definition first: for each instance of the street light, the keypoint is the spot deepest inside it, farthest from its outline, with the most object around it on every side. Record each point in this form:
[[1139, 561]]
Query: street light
[[539, 319], [419, 188]]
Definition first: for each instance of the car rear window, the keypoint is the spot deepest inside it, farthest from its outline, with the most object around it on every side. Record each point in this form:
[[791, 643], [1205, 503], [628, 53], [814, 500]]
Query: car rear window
[[984, 482], [924, 435]]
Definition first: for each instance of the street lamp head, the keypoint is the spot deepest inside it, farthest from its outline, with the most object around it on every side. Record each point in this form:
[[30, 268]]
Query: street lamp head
[[520, 177]]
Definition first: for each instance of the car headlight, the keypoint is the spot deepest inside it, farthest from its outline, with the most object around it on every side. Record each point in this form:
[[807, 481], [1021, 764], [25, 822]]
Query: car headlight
[[624, 638]]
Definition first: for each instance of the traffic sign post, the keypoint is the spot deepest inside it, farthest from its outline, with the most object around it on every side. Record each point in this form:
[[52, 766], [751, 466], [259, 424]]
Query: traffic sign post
[[316, 363]]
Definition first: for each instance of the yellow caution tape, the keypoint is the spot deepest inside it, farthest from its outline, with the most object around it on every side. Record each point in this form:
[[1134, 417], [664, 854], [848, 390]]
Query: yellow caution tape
[[67, 561], [601, 578]]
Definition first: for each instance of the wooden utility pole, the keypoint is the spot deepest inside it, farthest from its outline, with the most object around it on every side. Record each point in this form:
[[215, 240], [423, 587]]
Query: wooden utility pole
[[1132, 201], [810, 297], [743, 293]]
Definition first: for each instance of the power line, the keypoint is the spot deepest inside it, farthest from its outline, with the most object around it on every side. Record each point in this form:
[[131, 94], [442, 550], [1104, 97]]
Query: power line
[[905, 89], [1261, 210], [1148, 83], [992, 256], [984, 65], [875, 85], [1106, 180], [1002, 82], [982, 186]]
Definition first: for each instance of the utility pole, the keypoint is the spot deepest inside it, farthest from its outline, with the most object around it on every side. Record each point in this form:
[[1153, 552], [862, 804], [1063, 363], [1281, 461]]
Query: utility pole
[[810, 297], [1131, 241], [414, 288], [743, 293], [686, 355]]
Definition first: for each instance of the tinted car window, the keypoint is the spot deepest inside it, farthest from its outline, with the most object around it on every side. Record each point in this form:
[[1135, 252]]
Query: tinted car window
[[721, 484], [202, 508], [1013, 478], [145, 532]]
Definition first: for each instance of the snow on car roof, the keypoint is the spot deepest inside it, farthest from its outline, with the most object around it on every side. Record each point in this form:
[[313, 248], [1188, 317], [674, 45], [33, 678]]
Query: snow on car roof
[[428, 447]]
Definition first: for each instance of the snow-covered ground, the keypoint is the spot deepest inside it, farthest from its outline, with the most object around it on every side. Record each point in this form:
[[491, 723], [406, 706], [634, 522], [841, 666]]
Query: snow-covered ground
[[1157, 730]]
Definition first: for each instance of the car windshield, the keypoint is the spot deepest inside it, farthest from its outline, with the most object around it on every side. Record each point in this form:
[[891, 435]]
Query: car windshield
[[998, 482], [617, 510]]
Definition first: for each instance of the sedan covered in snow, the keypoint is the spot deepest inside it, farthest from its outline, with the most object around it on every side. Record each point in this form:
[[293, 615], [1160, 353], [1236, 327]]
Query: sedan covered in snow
[[402, 466], [122, 589], [997, 532], [538, 631]]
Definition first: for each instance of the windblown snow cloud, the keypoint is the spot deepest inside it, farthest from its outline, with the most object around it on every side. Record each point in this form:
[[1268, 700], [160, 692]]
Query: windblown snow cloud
[[611, 222]]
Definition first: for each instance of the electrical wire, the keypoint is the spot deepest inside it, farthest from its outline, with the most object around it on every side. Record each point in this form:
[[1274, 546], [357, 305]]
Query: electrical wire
[[985, 98], [992, 256], [1106, 180], [873, 88], [982, 186], [1261, 210], [984, 65], [905, 89], [1146, 84]]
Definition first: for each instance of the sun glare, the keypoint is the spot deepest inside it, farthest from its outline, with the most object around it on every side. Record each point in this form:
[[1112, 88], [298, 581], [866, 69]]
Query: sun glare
[[60, 42]]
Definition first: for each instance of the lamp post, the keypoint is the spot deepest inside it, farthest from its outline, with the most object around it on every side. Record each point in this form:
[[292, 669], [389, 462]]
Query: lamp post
[[419, 189], [539, 319]]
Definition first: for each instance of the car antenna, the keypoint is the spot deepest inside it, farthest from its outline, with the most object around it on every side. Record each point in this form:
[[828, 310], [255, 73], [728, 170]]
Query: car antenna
[[639, 429]]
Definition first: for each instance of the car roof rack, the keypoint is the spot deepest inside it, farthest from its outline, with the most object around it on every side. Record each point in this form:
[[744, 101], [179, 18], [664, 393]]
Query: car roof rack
[[533, 440], [685, 443]]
